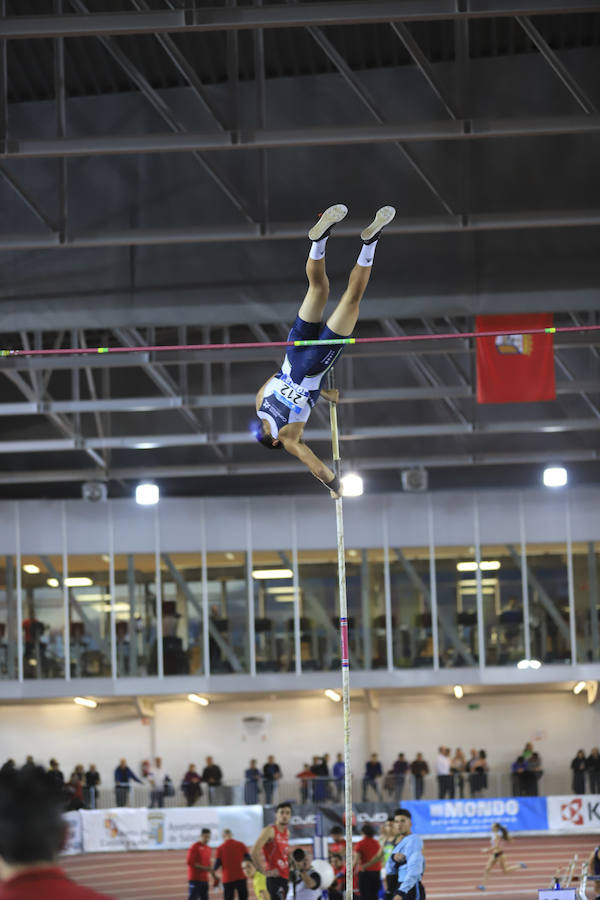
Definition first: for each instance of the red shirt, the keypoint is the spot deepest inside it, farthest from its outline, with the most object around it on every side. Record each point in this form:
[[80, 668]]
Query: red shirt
[[367, 849], [50, 883], [276, 853], [230, 854], [338, 847], [198, 854]]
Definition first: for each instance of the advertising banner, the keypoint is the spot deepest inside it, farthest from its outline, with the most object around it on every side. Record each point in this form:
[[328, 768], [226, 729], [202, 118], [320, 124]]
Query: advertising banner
[[178, 828], [429, 817], [109, 830], [581, 813], [74, 834]]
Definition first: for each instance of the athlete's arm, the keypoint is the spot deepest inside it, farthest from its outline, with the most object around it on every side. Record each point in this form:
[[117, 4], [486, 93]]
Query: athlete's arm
[[265, 835], [373, 860], [414, 868], [302, 451]]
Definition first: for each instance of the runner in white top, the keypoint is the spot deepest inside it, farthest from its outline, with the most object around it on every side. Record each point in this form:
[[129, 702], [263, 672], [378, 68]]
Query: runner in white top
[[285, 401]]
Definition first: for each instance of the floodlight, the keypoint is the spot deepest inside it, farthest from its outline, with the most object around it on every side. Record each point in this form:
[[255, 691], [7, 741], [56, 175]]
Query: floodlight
[[85, 701], [555, 476], [333, 695], [196, 698], [458, 691], [147, 493], [352, 485]]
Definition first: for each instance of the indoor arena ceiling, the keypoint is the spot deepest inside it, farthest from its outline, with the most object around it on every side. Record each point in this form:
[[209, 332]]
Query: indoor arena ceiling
[[161, 162]]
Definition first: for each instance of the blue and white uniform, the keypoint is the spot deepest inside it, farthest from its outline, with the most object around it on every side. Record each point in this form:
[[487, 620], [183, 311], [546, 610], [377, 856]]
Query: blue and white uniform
[[292, 393], [410, 873]]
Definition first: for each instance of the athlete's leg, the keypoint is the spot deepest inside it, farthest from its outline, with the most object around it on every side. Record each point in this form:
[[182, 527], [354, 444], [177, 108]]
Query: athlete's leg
[[344, 317], [317, 295]]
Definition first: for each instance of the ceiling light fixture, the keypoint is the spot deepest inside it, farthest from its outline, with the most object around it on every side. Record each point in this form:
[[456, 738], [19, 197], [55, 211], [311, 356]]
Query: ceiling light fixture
[[352, 485], [31, 569], [555, 476], [52, 582], [196, 698], [579, 687], [81, 581], [85, 701], [264, 574], [147, 493], [333, 695], [458, 691]]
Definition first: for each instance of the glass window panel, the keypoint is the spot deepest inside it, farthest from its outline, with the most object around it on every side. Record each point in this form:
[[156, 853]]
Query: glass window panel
[[455, 573], [43, 617], [228, 613], [586, 578], [410, 588], [502, 590], [183, 643], [135, 614], [549, 602], [274, 611], [8, 618], [89, 607]]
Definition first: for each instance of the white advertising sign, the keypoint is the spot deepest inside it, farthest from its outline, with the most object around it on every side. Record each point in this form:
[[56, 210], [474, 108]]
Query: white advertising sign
[[569, 813], [74, 834], [109, 830], [176, 829], [558, 894]]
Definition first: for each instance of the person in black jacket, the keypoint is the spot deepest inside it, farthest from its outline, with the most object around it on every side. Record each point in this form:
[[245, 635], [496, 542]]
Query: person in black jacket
[[579, 768], [593, 770]]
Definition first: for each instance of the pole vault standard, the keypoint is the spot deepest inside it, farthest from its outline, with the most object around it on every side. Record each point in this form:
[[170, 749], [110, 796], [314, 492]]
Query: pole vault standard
[[254, 345], [345, 655]]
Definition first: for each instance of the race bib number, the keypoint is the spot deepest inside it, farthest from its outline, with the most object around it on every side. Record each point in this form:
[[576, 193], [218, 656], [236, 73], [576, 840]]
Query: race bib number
[[294, 397]]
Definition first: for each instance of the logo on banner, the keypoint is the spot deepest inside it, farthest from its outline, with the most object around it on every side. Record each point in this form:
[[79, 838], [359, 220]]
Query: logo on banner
[[156, 827], [572, 812], [514, 343], [110, 827]]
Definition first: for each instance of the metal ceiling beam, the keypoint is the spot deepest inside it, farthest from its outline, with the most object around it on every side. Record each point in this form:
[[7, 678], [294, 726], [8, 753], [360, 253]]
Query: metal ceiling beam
[[389, 432], [571, 84], [424, 66], [310, 136], [148, 237], [230, 401], [277, 16], [274, 469]]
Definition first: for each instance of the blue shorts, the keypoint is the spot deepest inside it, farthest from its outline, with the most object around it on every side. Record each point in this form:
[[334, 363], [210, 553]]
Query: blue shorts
[[311, 360]]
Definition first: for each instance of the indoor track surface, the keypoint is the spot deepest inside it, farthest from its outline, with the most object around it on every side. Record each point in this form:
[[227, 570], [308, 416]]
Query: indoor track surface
[[454, 869]]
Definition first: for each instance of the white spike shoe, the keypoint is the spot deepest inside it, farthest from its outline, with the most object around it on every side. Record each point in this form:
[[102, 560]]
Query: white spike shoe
[[382, 218], [330, 217]]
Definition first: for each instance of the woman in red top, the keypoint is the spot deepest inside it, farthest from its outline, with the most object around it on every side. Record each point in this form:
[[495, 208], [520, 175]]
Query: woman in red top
[[367, 854], [273, 841]]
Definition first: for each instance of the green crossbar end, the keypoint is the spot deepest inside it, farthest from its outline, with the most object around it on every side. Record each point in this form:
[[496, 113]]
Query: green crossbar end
[[5, 352], [102, 349], [330, 341], [550, 330]]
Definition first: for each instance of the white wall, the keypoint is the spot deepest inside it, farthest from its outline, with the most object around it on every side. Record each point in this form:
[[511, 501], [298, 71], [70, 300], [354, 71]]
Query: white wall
[[297, 728]]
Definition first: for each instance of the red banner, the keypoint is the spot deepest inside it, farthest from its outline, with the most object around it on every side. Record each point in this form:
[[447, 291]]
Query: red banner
[[515, 368]]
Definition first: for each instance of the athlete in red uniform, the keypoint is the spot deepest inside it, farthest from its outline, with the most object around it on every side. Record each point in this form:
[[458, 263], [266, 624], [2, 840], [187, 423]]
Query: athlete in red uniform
[[274, 861], [199, 866], [32, 834], [230, 856]]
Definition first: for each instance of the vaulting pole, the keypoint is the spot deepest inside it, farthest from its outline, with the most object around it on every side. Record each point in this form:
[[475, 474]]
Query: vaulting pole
[[339, 518]]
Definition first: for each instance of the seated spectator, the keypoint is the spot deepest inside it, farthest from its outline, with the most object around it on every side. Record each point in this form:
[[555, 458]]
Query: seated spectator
[[123, 775], [579, 768], [31, 837], [191, 786]]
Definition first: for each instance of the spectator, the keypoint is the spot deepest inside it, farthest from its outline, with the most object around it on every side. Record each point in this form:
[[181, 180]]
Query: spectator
[[191, 786], [271, 775], [8, 767], [29, 763], [579, 768], [593, 769], [74, 793], [373, 771], [123, 775], [338, 840], [442, 768], [55, 774], [518, 771], [230, 856], [473, 778], [156, 779], [199, 866], [419, 769], [320, 771], [306, 776], [458, 765], [534, 773], [337, 890], [259, 879], [339, 776], [478, 769], [527, 751], [92, 780], [368, 853], [213, 777], [31, 837], [400, 768], [252, 783]]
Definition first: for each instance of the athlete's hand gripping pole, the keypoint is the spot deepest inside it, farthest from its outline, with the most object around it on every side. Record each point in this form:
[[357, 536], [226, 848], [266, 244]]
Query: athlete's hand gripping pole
[[339, 517]]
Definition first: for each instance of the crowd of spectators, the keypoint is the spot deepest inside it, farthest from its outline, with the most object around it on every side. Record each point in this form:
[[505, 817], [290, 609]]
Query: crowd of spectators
[[456, 773]]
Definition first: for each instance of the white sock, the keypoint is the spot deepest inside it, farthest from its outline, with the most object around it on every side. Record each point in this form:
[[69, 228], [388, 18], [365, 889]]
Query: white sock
[[317, 251], [365, 257]]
